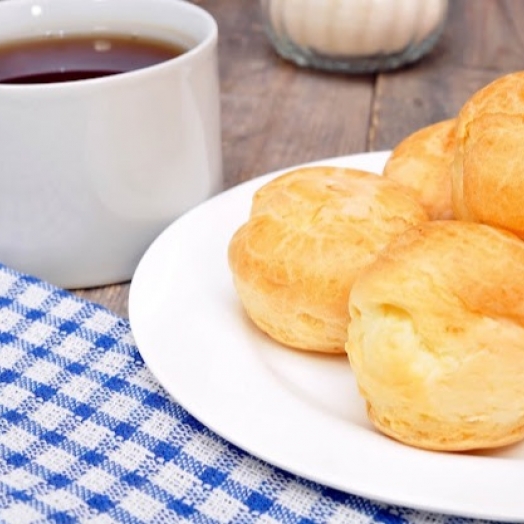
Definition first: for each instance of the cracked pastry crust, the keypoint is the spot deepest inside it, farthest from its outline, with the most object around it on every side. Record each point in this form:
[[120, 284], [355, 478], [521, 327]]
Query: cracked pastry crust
[[487, 182], [310, 232], [422, 162], [436, 339]]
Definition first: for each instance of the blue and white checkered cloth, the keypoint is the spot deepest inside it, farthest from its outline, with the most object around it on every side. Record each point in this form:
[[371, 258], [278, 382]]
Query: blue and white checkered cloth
[[88, 435]]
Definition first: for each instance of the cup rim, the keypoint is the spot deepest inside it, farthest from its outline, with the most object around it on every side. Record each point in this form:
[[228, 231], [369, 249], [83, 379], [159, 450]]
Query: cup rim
[[208, 41]]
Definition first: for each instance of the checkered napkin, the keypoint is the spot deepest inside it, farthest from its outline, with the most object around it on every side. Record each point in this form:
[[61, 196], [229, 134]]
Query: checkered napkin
[[88, 435]]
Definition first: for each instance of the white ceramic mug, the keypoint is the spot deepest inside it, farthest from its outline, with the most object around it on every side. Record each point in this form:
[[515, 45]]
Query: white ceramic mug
[[91, 171]]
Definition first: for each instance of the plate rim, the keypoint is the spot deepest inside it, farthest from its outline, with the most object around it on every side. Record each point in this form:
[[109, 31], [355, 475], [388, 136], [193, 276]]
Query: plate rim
[[486, 498]]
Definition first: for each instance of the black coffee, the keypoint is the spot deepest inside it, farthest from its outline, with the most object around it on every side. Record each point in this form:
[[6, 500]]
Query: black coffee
[[54, 59]]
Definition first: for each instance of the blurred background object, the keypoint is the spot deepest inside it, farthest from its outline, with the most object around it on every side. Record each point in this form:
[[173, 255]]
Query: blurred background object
[[354, 36]]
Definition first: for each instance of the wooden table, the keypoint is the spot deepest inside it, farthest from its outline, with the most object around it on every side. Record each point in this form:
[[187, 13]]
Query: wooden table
[[275, 114]]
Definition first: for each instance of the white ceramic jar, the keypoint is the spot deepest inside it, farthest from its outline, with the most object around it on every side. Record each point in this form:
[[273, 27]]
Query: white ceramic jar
[[354, 35]]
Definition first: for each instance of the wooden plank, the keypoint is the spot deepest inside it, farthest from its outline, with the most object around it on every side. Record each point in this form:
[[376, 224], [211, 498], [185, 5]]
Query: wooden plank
[[275, 114], [482, 41], [113, 297]]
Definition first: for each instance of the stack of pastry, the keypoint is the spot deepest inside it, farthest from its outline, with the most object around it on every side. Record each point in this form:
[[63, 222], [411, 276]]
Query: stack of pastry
[[416, 274], [309, 234]]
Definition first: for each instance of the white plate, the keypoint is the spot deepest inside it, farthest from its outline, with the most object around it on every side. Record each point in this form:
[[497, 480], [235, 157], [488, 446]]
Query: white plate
[[297, 411]]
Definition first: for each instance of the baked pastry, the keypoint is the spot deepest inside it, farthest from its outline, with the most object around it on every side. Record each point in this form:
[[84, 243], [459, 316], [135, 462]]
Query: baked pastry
[[436, 339], [488, 163], [422, 162], [310, 232]]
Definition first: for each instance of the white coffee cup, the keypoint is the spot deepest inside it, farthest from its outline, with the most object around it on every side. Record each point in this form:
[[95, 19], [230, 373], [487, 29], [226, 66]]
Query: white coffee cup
[[91, 171]]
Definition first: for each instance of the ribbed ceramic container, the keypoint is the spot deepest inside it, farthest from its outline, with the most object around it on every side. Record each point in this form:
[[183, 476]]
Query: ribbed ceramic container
[[354, 36]]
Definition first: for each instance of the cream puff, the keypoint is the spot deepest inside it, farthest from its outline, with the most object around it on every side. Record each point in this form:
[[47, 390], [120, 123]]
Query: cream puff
[[436, 338], [421, 162], [309, 234], [487, 173]]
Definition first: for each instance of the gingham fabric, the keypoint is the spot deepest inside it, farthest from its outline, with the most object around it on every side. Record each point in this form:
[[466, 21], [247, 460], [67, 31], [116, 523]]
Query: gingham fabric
[[88, 435]]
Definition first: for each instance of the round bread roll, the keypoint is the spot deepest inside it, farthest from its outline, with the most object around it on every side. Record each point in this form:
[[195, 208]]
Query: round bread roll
[[309, 233], [436, 339], [491, 161], [422, 163]]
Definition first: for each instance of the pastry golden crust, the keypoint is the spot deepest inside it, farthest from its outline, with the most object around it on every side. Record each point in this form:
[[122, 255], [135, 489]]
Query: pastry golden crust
[[491, 162], [422, 162], [436, 339], [309, 233]]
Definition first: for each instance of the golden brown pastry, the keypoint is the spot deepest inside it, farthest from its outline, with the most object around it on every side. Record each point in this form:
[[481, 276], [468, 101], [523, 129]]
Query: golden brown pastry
[[309, 234], [436, 339], [422, 162], [488, 162]]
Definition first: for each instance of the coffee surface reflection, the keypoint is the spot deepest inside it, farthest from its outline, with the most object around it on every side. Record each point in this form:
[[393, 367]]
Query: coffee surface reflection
[[80, 57]]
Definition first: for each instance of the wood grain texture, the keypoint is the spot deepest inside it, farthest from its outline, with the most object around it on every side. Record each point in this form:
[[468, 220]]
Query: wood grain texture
[[482, 40], [275, 114], [115, 297]]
